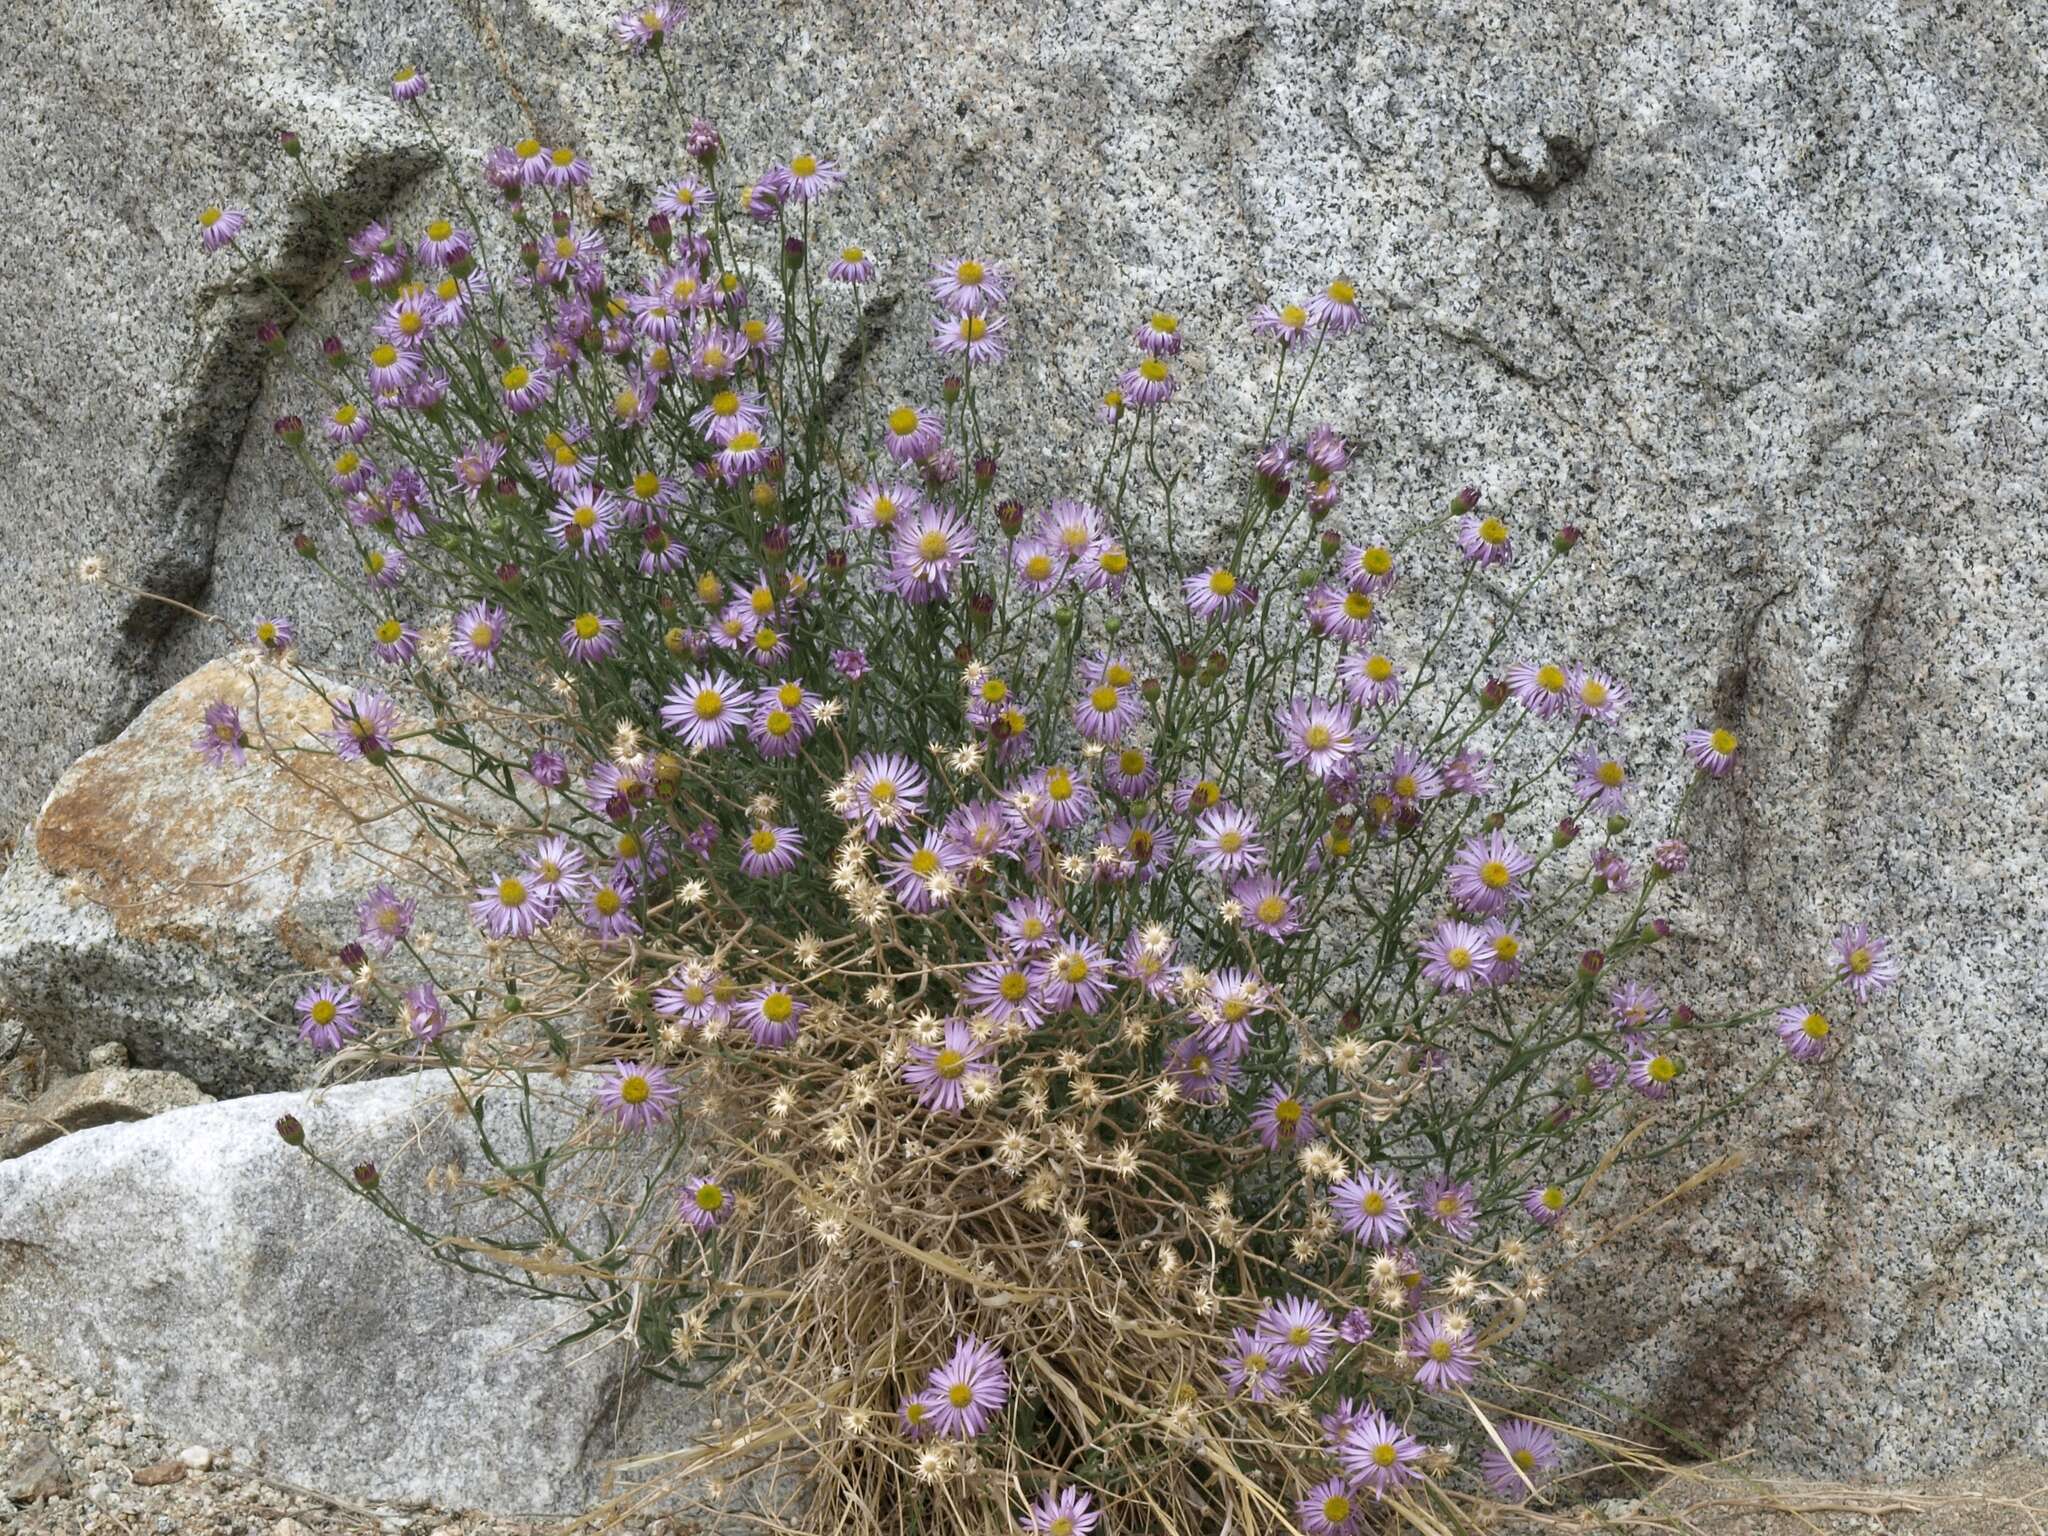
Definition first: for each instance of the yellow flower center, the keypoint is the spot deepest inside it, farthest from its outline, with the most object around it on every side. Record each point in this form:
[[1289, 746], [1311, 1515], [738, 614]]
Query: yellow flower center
[[949, 1064], [389, 631], [1814, 1026], [1458, 958], [209, 217], [1609, 773], [1383, 1454], [1553, 1198], [1272, 909], [973, 328], [1357, 607], [1377, 560], [1038, 567], [323, 1011], [1014, 987], [1222, 583], [1440, 1350], [587, 626], [384, 354], [1550, 678], [968, 272], [1293, 316], [635, 1089], [903, 421], [804, 165], [1317, 737], [853, 254], [1130, 762], [1341, 292], [1165, 324], [780, 723], [563, 157], [744, 442], [1075, 969], [766, 639], [710, 1198], [516, 377], [606, 901], [1506, 946], [932, 544], [1336, 1509], [628, 845], [960, 1394], [1059, 784], [924, 863], [1593, 691], [1374, 1203], [1494, 531], [776, 1007], [754, 329], [511, 892], [709, 704], [1524, 1458], [1724, 742], [526, 149], [1663, 1069], [1495, 875], [1103, 699], [447, 290], [1288, 1112], [882, 791], [1404, 786], [1153, 370], [1230, 841], [374, 562]]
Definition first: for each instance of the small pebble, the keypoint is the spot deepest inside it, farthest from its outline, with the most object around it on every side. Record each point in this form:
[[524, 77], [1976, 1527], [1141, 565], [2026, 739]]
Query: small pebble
[[197, 1457]]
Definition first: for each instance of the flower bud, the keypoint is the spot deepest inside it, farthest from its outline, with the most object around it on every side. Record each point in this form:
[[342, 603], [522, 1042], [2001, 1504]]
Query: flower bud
[[1184, 663], [763, 498], [1683, 1015], [1567, 830], [303, 546], [1560, 1114], [984, 471], [1466, 499], [508, 490], [1063, 616], [1591, 963], [359, 278], [774, 538], [1565, 539], [1660, 928], [288, 142], [1495, 821], [1349, 1020], [981, 608], [702, 142], [1113, 625], [1493, 695], [1150, 690], [1010, 516], [660, 231], [270, 337], [950, 387], [529, 254], [1616, 825], [793, 252], [510, 576], [335, 353], [963, 653], [1330, 541], [290, 1132], [351, 956], [560, 222], [835, 560], [291, 429], [367, 1175], [672, 640]]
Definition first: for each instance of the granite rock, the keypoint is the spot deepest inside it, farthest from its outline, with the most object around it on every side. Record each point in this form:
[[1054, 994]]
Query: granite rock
[[100, 1097], [1752, 293], [175, 910], [228, 1293]]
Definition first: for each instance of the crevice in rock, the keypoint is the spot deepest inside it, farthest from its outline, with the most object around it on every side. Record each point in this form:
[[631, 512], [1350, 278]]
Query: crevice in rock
[[1562, 161]]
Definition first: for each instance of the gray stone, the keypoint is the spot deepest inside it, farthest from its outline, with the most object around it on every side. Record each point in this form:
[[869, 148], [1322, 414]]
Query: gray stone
[[1753, 294], [227, 1292], [102, 1097], [112, 1054], [35, 1473], [175, 910]]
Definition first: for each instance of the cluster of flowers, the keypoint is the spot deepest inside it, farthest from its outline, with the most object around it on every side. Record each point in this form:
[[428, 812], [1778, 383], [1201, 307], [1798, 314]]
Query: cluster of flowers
[[1025, 919]]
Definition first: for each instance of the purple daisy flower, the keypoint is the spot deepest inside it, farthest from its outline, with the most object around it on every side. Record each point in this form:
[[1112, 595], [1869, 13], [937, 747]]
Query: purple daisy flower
[[1328, 1509], [329, 1014], [1654, 1076], [648, 26], [1199, 1072], [773, 1016], [1227, 1006], [392, 367], [707, 710], [1597, 696], [1252, 1367], [510, 908], [1060, 1511], [1074, 973], [1053, 800], [547, 769], [918, 873], [608, 911], [1804, 1032], [927, 550], [1542, 688], [1636, 1009], [275, 635], [639, 1097], [1452, 1204], [968, 287], [1445, 1358], [395, 642], [1283, 1117], [1373, 1207], [694, 997], [1301, 1331], [910, 435], [1286, 323], [1316, 735], [218, 226], [1611, 867], [1216, 593], [1335, 309], [1001, 989], [703, 1205], [969, 1390], [943, 1073], [982, 339], [423, 1013], [881, 505], [1545, 1203], [1670, 857], [884, 790], [1469, 773], [478, 630], [1147, 959], [409, 84], [221, 739], [1158, 335], [590, 637], [523, 389], [1378, 1455], [1105, 712], [1865, 962], [1130, 773], [1150, 384], [384, 568], [1485, 541], [1270, 906], [557, 870], [1711, 751], [365, 727], [852, 265], [770, 851], [1487, 875], [1601, 782], [384, 919], [1457, 957], [1411, 779], [809, 178], [1369, 680], [1030, 923], [979, 829], [1226, 841], [1526, 1450]]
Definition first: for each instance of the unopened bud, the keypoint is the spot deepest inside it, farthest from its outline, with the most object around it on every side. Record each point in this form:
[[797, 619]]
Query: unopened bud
[[288, 142], [367, 1175], [1466, 499], [1010, 517], [1616, 825], [1493, 695], [351, 956], [303, 546], [950, 387], [659, 230], [1565, 538], [290, 1132], [1591, 963], [1567, 830], [291, 429], [510, 575]]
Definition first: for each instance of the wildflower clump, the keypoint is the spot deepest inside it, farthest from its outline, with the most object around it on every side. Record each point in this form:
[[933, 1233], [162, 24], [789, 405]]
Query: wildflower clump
[[1079, 1016]]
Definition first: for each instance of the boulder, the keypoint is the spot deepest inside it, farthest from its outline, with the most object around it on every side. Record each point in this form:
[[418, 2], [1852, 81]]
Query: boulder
[[211, 1279], [174, 909], [101, 1097]]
